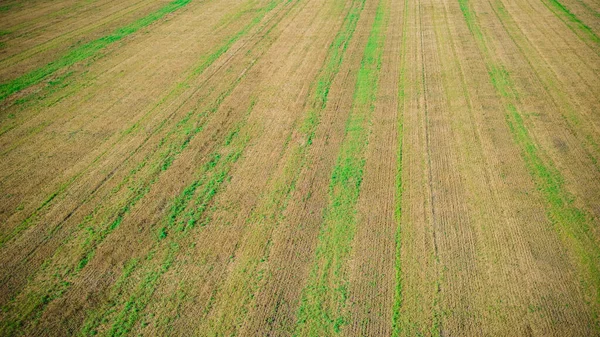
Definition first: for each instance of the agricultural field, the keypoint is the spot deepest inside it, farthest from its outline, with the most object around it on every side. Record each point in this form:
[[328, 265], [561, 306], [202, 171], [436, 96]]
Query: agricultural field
[[299, 168]]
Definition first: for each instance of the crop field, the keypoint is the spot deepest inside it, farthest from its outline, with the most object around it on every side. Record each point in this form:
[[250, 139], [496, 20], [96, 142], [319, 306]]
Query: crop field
[[300, 168]]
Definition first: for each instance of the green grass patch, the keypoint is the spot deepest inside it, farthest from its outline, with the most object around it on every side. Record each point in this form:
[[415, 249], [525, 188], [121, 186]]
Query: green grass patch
[[85, 51], [211, 177], [573, 224], [153, 165], [323, 304], [130, 314], [247, 275], [137, 183], [168, 155], [396, 316], [204, 188], [202, 65], [571, 20], [6, 8]]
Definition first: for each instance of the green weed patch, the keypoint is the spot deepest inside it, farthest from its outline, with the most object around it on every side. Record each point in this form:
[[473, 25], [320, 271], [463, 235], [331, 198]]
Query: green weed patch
[[572, 223], [85, 51], [322, 308], [248, 274]]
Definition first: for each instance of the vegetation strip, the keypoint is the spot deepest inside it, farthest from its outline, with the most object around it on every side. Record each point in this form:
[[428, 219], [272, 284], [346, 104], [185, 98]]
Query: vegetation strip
[[85, 51], [322, 310], [571, 20], [184, 132], [185, 123], [396, 316], [79, 31], [247, 273], [176, 222], [574, 225], [571, 117], [202, 190], [96, 235]]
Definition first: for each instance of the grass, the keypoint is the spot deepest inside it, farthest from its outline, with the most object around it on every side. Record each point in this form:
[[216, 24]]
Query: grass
[[175, 142], [97, 317], [130, 314], [571, 20], [211, 176], [85, 51], [571, 113], [204, 63], [572, 223], [396, 316], [153, 164], [322, 308], [205, 187], [247, 274], [173, 147]]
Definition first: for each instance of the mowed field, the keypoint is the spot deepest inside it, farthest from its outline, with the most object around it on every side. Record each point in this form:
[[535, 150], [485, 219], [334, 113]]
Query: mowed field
[[299, 167]]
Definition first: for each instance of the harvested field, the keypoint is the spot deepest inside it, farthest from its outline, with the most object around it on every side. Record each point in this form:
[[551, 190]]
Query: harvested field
[[300, 168]]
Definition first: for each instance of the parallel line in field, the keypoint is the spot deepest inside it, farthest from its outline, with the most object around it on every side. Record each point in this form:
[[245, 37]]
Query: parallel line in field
[[436, 327], [545, 23], [94, 239], [38, 48], [210, 178], [396, 316], [571, 223], [278, 197], [292, 247], [323, 304], [178, 223], [571, 116], [174, 93], [583, 31], [167, 154], [53, 93], [85, 51], [23, 22], [63, 82], [371, 278], [237, 227], [114, 224]]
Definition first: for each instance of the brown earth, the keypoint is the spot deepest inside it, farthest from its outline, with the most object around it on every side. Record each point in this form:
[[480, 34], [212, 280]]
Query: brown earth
[[185, 180]]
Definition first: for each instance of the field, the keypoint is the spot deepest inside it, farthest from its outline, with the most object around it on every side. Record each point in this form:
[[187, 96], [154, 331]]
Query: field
[[299, 168]]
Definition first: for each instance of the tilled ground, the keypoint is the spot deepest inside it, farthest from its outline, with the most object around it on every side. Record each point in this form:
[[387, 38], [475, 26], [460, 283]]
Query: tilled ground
[[300, 167]]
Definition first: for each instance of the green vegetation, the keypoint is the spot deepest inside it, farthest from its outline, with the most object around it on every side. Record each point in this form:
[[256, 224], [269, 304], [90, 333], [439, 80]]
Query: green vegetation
[[155, 163], [335, 56], [572, 223], [136, 189], [396, 318], [201, 66], [571, 114], [247, 274], [322, 309], [6, 8], [86, 51], [202, 190], [206, 185], [571, 20], [133, 307], [147, 172], [174, 147], [97, 317]]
